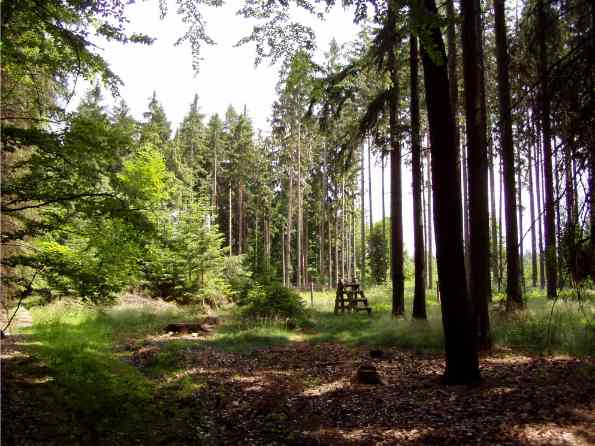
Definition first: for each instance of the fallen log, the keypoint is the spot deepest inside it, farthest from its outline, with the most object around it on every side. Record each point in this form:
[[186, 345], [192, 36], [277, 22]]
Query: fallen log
[[185, 328]]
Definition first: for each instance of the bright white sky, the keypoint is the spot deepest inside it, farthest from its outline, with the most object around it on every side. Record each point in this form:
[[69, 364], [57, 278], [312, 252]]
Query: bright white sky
[[227, 76]]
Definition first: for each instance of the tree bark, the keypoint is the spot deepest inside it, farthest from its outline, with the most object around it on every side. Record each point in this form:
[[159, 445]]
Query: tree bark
[[396, 206], [521, 232], [494, 219], [419, 294], [513, 288], [430, 238], [229, 222], [479, 236], [551, 264], [460, 333], [532, 214], [299, 210], [288, 264], [383, 204], [370, 183], [538, 196]]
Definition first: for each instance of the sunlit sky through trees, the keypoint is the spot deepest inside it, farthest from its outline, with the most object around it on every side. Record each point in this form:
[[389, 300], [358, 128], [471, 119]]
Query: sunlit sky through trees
[[227, 76]]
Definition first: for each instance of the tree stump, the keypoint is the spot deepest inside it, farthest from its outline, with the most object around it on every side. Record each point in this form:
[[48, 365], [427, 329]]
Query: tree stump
[[367, 374]]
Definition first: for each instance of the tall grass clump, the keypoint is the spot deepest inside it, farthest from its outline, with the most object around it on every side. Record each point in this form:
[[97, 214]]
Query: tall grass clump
[[548, 327]]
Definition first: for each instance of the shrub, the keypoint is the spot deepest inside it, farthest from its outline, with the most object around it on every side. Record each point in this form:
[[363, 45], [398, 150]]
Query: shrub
[[272, 301]]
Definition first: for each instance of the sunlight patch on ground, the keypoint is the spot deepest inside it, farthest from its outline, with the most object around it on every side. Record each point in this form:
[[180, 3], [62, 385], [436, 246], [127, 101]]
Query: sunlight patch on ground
[[326, 388], [551, 434]]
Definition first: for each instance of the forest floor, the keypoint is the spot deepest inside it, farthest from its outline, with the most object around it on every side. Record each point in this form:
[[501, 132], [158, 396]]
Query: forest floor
[[159, 389]]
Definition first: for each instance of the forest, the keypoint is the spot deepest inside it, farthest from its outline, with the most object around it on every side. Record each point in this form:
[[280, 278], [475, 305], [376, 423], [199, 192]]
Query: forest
[[200, 282]]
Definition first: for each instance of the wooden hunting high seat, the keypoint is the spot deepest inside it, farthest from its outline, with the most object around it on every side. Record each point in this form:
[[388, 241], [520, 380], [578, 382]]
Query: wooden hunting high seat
[[351, 298]]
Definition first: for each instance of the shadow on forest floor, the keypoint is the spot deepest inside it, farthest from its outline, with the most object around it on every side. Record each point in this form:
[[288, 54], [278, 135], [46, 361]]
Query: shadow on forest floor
[[65, 384]]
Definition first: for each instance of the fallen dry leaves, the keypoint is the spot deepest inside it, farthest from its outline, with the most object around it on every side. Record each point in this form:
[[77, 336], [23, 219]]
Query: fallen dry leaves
[[304, 394]]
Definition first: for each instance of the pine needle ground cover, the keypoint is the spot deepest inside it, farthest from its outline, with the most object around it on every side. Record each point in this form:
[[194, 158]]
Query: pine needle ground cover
[[110, 375]]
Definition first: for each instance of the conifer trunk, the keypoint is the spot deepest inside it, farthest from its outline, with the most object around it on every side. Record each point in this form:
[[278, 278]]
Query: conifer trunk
[[230, 232], [479, 238], [419, 294], [460, 334], [299, 210], [521, 230], [430, 221], [494, 219], [288, 268], [532, 215], [513, 288], [383, 159], [370, 183], [538, 196], [362, 221], [396, 207], [551, 264]]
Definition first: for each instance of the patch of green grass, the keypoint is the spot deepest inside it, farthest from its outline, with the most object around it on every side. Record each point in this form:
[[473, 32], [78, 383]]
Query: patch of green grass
[[76, 342], [243, 336], [547, 327], [569, 328]]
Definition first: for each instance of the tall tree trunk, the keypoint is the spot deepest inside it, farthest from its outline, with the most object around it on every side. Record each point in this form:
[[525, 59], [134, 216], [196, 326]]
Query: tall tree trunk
[[538, 196], [370, 182], [460, 334], [214, 187], [284, 262], [532, 215], [362, 195], [353, 249], [592, 210], [383, 159], [479, 236], [419, 294], [425, 222], [288, 263], [230, 232], [513, 288], [571, 215], [430, 221], [343, 229], [396, 207], [592, 170], [558, 196], [330, 253], [500, 225], [299, 209], [465, 182], [521, 232], [494, 218], [551, 264], [240, 208], [324, 217], [337, 233]]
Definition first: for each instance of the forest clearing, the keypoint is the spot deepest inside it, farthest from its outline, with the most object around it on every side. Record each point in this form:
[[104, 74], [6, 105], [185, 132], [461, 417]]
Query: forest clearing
[[297, 222], [81, 375]]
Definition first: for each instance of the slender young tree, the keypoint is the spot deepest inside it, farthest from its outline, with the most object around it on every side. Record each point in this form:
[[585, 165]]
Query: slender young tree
[[532, 213], [362, 196], [419, 294], [513, 288], [396, 206], [539, 199], [494, 218], [370, 182], [551, 264], [430, 221]]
